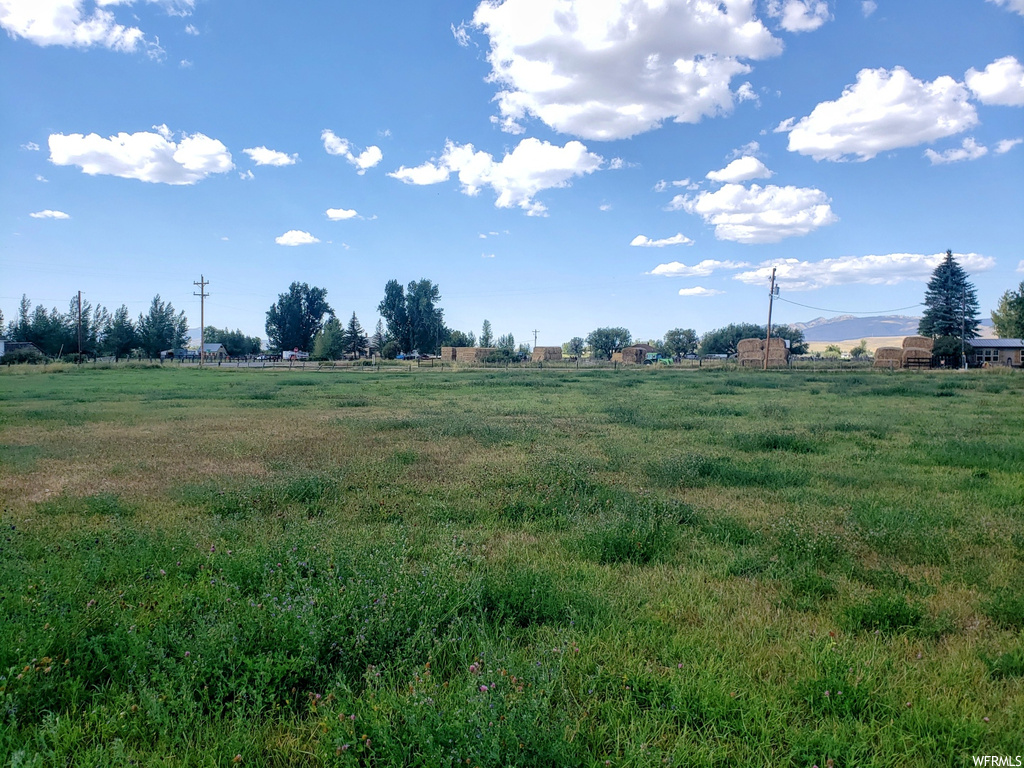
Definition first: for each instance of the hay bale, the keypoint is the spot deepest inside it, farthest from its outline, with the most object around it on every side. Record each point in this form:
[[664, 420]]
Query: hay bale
[[889, 357], [448, 354], [472, 354], [616, 357], [916, 358], [918, 342], [749, 345], [544, 354], [634, 355]]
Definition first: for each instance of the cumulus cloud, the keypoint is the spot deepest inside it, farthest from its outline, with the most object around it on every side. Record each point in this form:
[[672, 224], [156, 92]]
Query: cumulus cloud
[[662, 185], [48, 214], [366, 159], [701, 269], [644, 241], [890, 269], [882, 111], [530, 168], [699, 291], [613, 69], [340, 214], [1006, 145], [968, 150], [295, 237], [151, 157], [867, 7], [1001, 82], [741, 169], [758, 214], [81, 23], [799, 15], [1013, 5], [264, 156]]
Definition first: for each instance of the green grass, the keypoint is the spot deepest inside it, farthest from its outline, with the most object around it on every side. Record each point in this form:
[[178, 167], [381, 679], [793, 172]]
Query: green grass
[[496, 568]]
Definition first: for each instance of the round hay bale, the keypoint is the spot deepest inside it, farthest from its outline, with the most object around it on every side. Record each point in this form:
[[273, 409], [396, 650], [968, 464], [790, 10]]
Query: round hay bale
[[918, 342]]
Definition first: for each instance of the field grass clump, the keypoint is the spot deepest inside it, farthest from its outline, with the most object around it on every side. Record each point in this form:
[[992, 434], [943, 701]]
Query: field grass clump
[[641, 531], [97, 505], [696, 470], [886, 612], [1006, 607], [1005, 666]]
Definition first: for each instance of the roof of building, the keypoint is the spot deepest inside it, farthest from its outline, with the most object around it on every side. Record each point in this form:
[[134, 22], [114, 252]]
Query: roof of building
[[996, 343]]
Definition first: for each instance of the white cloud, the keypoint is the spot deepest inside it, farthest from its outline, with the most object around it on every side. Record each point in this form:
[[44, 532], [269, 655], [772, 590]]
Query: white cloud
[[1020, 267], [760, 214], [64, 22], [1006, 145], [486, 255], [662, 185], [799, 15], [190, 29], [40, 177], [460, 34], [699, 291], [750, 148], [295, 237], [185, 64], [969, 150], [48, 214], [613, 69], [340, 214], [1002, 82], [31, 146], [890, 269], [604, 207], [151, 157], [366, 159], [868, 7], [883, 111], [741, 169], [530, 168], [646, 242], [702, 269], [246, 175], [1013, 5], [264, 156]]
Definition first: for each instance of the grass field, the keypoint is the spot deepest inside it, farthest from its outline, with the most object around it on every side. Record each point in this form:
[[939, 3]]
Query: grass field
[[511, 568]]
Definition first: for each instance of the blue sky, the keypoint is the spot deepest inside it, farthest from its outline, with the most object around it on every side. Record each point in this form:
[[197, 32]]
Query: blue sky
[[554, 165]]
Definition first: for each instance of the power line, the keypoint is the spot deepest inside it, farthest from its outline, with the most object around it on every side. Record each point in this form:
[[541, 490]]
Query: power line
[[850, 312]]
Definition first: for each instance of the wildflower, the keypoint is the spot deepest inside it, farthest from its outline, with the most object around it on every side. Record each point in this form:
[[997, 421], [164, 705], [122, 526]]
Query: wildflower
[[187, 654], [474, 669], [483, 689], [827, 694], [163, 572], [985, 719], [237, 759]]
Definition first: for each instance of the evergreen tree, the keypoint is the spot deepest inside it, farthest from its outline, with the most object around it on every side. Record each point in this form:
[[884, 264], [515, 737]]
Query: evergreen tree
[[378, 339], [486, 335], [951, 303], [1008, 317], [354, 341]]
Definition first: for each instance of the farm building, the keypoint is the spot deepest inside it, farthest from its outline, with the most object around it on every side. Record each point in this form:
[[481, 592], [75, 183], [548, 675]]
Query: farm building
[[544, 354], [996, 352]]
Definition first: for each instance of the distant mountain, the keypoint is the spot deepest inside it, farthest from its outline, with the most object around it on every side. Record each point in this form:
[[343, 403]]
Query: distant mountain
[[851, 327]]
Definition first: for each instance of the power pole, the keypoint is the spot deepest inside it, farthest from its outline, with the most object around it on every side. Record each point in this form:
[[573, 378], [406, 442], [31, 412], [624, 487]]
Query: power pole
[[79, 327], [963, 330], [203, 282], [772, 291], [534, 337]]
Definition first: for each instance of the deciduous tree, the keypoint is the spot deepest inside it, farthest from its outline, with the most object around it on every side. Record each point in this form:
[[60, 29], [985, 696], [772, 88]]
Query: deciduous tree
[[604, 341], [297, 317], [1008, 317], [680, 341]]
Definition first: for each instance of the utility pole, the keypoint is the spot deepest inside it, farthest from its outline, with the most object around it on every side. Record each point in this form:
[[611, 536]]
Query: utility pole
[[203, 282], [772, 292], [534, 337], [963, 330], [79, 327]]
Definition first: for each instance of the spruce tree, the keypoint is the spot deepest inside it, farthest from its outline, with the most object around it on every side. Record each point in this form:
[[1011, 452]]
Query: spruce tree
[[951, 303], [354, 341]]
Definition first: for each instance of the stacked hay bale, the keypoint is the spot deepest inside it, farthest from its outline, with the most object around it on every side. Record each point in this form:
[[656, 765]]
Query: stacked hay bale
[[633, 355], [473, 354], [544, 354], [751, 353], [448, 354], [889, 357], [917, 352], [616, 357]]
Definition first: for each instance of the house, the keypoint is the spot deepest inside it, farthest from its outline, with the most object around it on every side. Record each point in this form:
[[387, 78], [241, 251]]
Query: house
[[1006, 352], [215, 351]]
